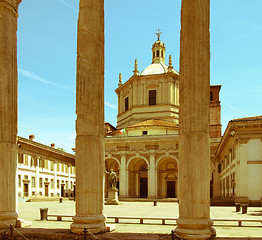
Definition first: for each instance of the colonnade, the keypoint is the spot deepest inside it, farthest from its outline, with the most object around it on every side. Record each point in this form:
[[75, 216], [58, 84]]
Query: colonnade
[[194, 220]]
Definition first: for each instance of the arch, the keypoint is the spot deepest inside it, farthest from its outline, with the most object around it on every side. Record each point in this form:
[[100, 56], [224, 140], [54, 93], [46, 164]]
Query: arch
[[107, 158], [137, 157], [169, 156], [167, 176]]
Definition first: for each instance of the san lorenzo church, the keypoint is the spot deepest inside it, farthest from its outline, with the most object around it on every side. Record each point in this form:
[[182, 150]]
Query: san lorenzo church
[[143, 149]]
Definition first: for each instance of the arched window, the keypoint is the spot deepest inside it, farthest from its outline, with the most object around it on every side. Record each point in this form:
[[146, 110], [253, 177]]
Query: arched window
[[157, 53]]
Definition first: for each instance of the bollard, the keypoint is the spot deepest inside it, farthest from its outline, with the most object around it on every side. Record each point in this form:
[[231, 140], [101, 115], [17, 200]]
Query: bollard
[[60, 200], [244, 208], [155, 203], [43, 213], [238, 207]]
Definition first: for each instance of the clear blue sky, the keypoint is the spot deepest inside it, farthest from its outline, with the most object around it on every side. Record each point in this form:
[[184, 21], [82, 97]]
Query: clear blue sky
[[47, 33]]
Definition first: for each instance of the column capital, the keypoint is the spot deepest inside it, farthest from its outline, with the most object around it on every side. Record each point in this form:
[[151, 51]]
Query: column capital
[[13, 3]]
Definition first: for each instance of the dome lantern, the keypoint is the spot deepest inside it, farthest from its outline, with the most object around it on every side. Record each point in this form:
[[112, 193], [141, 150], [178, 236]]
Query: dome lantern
[[158, 50]]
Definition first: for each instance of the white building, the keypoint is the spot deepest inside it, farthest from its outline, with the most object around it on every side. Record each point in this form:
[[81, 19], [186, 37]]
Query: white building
[[44, 171]]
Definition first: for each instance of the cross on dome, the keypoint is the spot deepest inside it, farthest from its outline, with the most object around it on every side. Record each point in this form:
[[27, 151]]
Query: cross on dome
[[158, 33]]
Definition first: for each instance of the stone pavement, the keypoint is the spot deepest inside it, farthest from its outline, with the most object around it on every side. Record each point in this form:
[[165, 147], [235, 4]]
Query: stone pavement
[[30, 212]]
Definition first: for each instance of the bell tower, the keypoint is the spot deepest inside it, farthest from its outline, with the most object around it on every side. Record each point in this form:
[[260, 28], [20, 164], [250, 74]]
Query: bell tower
[[158, 50]]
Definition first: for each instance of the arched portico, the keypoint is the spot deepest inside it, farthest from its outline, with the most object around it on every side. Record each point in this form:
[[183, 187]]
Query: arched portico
[[138, 177], [167, 177]]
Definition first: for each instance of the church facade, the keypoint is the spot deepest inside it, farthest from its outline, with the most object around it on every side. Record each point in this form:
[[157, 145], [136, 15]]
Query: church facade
[[143, 150]]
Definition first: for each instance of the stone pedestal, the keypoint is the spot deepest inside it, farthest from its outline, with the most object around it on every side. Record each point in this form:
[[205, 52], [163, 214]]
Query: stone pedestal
[[90, 163], [8, 113], [112, 197], [194, 157]]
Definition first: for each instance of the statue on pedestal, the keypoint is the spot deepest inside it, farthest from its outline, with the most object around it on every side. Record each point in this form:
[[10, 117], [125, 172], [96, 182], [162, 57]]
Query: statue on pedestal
[[112, 179], [112, 190]]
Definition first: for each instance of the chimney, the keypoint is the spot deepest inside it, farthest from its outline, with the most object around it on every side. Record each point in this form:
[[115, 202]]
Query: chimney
[[32, 137], [52, 145]]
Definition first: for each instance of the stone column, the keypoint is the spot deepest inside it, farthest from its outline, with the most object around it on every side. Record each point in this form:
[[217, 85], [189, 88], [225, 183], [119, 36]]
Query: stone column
[[55, 179], [152, 177], [37, 176], [8, 113], [123, 177], [194, 152], [90, 164]]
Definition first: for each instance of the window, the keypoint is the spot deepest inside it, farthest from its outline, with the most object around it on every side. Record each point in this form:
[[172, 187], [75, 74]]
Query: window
[[52, 183], [152, 97], [66, 168], [211, 96], [154, 54], [26, 177], [157, 53], [57, 184], [25, 159], [20, 158], [62, 167], [52, 166], [162, 54], [46, 164], [126, 104], [19, 180], [40, 182], [144, 132], [66, 184], [33, 182], [71, 185], [41, 163], [58, 167]]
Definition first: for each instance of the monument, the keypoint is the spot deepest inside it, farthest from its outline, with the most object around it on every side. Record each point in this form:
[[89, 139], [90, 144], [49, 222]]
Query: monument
[[112, 191]]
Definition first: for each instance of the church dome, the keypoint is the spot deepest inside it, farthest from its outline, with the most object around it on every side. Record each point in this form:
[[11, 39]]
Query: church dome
[[156, 68]]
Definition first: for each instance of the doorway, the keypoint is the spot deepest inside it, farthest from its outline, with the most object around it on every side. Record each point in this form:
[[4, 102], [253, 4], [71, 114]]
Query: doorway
[[143, 187], [171, 189], [25, 189], [46, 190]]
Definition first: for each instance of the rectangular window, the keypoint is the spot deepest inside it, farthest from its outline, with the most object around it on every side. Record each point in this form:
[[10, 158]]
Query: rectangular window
[[25, 159], [46, 164], [33, 161], [20, 158], [19, 180], [58, 167], [51, 165], [144, 132], [126, 104], [33, 182], [52, 183], [57, 184], [152, 97], [66, 168], [40, 182]]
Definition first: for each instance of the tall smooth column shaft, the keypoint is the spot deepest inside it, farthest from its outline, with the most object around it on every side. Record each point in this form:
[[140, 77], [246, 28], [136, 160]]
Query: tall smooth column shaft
[[8, 112], [194, 152], [90, 164], [152, 178], [122, 185]]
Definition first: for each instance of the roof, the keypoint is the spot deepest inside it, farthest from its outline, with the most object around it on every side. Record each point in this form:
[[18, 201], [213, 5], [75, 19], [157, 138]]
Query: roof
[[247, 119], [154, 122], [156, 68]]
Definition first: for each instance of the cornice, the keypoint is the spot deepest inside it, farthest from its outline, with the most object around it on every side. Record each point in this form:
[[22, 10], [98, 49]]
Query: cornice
[[38, 149]]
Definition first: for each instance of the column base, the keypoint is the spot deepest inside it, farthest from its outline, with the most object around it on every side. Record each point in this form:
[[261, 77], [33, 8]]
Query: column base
[[192, 229], [7, 218], [93, 223]]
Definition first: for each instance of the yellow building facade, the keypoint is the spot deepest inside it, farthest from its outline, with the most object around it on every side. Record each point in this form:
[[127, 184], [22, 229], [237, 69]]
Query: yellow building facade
[[143, 150]]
